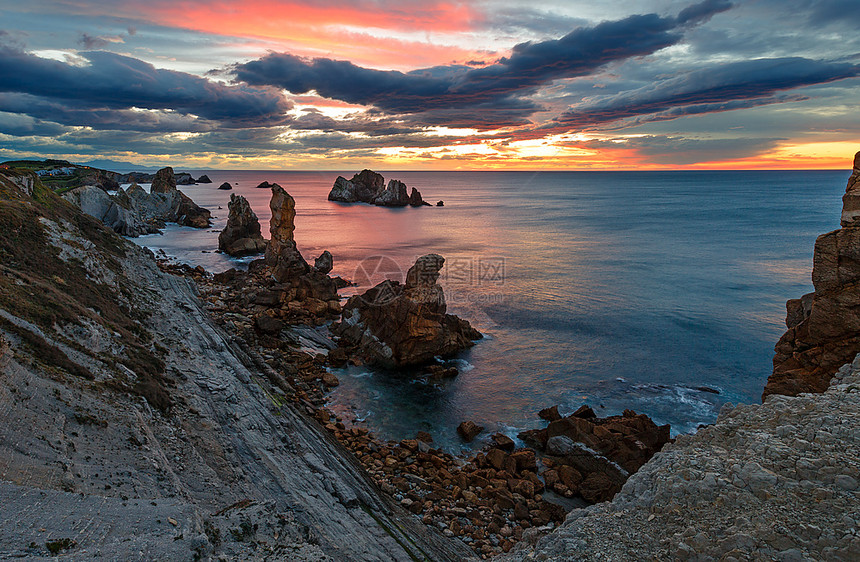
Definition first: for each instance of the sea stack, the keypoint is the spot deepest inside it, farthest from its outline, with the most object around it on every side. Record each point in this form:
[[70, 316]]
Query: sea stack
[[241, 236], [824, 326], [164, 181], [281, 253], [393, 325], [369, 187]]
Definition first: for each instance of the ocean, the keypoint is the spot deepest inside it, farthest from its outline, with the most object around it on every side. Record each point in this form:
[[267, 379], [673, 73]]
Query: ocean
[[660, 292]]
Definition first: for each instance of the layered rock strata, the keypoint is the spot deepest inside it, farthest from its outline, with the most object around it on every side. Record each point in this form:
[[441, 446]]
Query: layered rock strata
[[394, 325], [281, 253], [824, 326]]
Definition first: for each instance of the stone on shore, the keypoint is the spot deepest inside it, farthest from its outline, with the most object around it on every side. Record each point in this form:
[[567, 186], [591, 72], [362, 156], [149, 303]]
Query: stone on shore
[[468, 430], [824, 326], [549, 414], [395, 324], [241, 236]]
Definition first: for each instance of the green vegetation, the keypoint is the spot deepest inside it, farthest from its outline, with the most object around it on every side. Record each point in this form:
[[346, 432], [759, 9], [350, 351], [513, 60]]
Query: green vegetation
[[57, 546], [38, 286], [70, 176]]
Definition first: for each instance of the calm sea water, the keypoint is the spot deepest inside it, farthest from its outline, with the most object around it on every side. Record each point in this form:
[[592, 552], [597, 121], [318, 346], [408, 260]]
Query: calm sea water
[[614, 289]]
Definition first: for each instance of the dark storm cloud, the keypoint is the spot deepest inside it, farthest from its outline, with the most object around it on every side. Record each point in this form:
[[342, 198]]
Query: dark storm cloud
[[110, 81], [530, 65], [714, 89], [88, 41]]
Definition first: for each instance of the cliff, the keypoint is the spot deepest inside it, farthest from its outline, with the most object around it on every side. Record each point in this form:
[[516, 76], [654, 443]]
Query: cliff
[[133, 427], [824, 326]]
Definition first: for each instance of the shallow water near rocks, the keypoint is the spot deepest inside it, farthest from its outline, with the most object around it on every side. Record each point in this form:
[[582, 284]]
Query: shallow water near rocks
[[639, 290]]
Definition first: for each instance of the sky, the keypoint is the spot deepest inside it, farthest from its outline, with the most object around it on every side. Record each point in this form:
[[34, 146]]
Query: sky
[[433, 85]]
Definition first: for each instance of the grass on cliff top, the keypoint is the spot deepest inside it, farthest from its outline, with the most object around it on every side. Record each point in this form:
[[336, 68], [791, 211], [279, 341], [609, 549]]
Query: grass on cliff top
[[37, 286]]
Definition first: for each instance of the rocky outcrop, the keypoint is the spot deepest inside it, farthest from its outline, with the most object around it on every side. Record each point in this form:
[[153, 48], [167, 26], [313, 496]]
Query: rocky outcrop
[[281, 253], [121, 218], [204, 179], [241, 236], [765, 482], [394, 324], [592, 457], [824, 326], [133, 211], [369, 187], [324, 263], [225, 186], [184, 178], [164, 181]]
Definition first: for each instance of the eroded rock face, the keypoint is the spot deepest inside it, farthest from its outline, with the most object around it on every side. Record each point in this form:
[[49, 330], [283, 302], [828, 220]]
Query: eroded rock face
[[824, 326], [281, 253], [324, 263], [396, 324], [241, 236], [164, 181], [116, 213], [369, 187], [622, 443]]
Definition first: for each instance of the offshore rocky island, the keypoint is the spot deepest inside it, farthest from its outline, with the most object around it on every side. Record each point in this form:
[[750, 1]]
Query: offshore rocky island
[[187, 410]]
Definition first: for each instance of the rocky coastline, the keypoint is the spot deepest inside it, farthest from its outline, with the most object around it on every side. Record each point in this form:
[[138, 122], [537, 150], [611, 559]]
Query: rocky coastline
[[203, 400]]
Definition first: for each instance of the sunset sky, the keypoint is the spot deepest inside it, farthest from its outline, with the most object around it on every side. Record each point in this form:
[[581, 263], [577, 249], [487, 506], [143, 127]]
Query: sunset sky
[[411, 85]]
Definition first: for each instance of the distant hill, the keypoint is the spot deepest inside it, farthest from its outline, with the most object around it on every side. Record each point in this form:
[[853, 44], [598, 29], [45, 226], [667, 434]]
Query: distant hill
[[116, 166]]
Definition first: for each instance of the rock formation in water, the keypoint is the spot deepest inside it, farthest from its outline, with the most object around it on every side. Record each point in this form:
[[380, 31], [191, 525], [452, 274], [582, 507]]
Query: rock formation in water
[[394, 324], [133, 211], [225, 186], [824, 326], [204, 179], [241, 236], [324, 263], [164, 181], [281, 253], [369, 187]]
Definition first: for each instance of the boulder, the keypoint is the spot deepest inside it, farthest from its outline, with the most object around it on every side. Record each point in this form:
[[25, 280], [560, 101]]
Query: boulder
[[188, 213], [164, 181], [241, 236], [184, 178], [225, 186], [549, 414], [415, 199], [824, 326], [324, 263], [204, 179], [266, 185], [394, 324], [281, 253], [468, 430], [440, 203]]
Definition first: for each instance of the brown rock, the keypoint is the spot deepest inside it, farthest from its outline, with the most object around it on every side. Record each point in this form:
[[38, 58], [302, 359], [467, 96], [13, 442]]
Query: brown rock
[[496, 458], [164, 181], [597, 487], [408, 322], [424, 436], [550, 414], [281, 253], [525, 459], [241, 236], [268, 325], [569, 476], [823, 327], [584, 412], [330, 380], [503, 442], [468, 430]]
